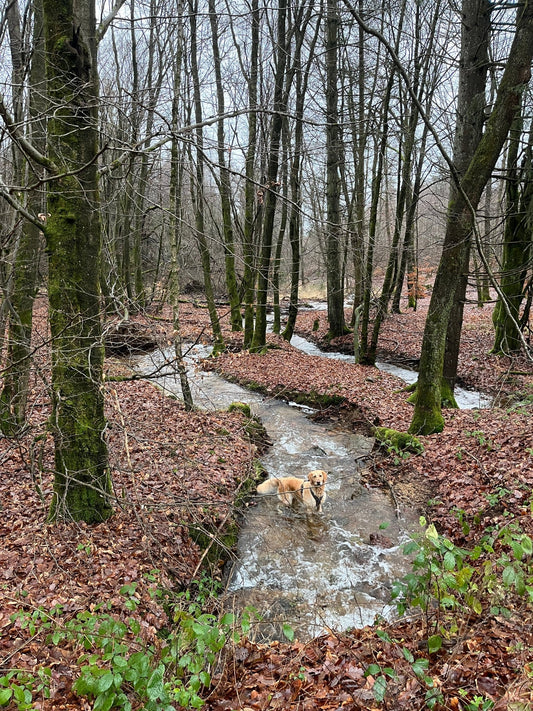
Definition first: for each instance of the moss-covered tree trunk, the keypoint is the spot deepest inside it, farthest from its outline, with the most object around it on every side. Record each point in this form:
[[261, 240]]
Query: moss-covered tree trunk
[[427, 416], [82, 482]]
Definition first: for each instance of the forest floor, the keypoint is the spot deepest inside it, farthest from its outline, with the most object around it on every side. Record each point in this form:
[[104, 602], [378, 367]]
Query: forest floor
[[177, 477]]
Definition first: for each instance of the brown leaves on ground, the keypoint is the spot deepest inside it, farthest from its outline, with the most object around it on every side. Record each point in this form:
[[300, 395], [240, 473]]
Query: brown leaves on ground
[[329, 673], [172, 469]]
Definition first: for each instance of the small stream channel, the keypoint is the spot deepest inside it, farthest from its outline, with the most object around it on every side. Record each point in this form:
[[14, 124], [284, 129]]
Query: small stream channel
[[311, 572]]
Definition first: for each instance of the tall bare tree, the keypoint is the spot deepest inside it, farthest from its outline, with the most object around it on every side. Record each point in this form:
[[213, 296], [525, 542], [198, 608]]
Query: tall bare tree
[[334, 153], [427, 416], [24, 278]]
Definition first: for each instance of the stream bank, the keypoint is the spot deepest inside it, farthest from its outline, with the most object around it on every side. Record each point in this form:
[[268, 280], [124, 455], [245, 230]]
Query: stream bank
[[309, 572]]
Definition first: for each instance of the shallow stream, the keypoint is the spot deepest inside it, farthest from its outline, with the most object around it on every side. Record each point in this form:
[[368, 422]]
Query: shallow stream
[[311, 572], [319, 571]]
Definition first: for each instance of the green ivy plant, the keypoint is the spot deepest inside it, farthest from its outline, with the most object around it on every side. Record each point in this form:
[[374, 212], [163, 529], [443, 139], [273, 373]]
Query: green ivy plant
[[20, 687], [449, 583]]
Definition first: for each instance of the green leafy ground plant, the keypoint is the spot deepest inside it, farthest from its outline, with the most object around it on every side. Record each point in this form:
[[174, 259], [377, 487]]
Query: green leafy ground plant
[[450, 584], [118, 669]]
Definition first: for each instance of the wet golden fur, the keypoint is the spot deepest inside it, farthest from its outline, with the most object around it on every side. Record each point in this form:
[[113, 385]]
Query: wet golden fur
[[292, 489]]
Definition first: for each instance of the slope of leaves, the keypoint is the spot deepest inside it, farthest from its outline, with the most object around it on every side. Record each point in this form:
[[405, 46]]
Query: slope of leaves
[[172, 469]]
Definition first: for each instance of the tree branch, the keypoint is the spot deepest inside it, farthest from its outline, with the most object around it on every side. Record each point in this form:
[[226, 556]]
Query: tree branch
[[22, 142], [104, 25]]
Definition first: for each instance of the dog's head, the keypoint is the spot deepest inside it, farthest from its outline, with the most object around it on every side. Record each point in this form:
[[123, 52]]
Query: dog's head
[[317, 477]]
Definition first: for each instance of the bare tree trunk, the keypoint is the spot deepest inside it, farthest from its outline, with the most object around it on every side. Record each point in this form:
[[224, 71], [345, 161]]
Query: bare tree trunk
[[517, 245], [334, 158], [271, 187], [367, 352], [409, 259], [15, 391], [250, 190], [224, 183], [276, 262], [358, 241], [470, 120], [199, 187], [427, 417], [302, 79], [176, 190], [425, 90]]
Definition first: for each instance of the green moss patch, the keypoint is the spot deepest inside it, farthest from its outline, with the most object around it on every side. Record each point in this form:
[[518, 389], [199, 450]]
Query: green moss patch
[[394, 441]]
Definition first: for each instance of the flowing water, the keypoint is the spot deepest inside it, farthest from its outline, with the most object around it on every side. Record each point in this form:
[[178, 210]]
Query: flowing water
[[308, 571], [466, 399], [311, 572]]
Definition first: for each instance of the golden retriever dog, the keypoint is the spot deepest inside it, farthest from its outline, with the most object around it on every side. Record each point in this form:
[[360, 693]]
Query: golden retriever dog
[[290, 489]]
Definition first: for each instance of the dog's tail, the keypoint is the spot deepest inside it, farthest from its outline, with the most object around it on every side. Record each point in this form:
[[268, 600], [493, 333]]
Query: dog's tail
[[270, 486]]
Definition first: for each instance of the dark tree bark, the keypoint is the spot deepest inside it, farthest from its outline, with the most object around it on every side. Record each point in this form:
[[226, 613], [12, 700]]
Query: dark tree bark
[[271, 187], [367, 351], [198, 188], [82, 481], [302, 79], [224, 183], [250, 190], [334, 241], [427, 416], [176, 216], [423, 63], [283, 219], [470, 117], [24, 283], [358, 239], [517, 245]]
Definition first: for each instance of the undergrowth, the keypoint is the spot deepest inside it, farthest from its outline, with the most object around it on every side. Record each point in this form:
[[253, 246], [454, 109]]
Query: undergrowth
[[450, 586], [117, 668]]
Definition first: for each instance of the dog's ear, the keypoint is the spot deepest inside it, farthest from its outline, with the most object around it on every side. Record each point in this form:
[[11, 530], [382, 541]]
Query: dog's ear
[[325, 476]]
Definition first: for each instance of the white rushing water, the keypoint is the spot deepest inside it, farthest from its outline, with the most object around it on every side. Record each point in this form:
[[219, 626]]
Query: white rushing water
[[312, 572]]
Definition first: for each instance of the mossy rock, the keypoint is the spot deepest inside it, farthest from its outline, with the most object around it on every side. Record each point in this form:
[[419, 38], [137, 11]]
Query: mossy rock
[[314, 399], [240, 407], [395, 441]]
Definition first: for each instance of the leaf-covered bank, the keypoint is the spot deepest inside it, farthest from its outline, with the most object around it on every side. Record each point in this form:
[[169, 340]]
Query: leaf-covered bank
[[171, 469]]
